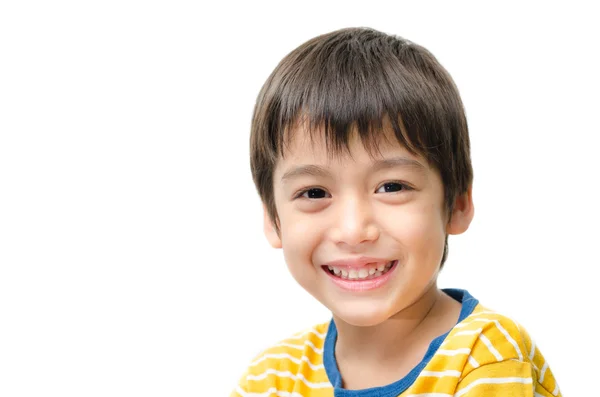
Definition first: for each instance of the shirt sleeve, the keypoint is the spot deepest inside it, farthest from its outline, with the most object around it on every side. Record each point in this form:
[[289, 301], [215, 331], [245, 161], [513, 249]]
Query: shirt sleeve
[[504, 378]]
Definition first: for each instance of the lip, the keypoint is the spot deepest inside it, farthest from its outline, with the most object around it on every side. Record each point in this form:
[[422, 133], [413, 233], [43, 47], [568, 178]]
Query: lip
[[361, 285], [351, 263]]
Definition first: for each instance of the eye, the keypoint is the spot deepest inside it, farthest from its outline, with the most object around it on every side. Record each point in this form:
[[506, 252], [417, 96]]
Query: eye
[[392, 187], [313, 194]]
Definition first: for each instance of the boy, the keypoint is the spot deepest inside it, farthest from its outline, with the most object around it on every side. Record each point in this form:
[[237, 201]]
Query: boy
[[360, 154]]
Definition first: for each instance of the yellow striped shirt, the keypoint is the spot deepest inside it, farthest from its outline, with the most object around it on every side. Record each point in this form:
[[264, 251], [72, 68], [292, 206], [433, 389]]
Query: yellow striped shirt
[[485, 354]]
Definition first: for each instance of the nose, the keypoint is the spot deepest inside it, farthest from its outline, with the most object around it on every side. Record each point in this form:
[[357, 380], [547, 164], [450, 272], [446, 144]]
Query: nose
[[354, 223]]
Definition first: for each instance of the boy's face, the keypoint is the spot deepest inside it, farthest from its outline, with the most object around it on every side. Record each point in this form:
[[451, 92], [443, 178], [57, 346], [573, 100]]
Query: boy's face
[[359, 215]]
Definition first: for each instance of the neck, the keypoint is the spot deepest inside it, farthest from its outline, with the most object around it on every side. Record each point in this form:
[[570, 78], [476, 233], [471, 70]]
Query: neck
[[408, 331]]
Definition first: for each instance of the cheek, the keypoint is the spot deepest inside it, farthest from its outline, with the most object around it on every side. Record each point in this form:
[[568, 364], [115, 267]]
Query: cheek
[[419, 229], [300, 235], [300, 239]]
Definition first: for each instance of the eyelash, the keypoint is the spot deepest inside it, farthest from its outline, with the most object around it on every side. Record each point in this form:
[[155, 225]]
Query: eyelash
[[405, 187]]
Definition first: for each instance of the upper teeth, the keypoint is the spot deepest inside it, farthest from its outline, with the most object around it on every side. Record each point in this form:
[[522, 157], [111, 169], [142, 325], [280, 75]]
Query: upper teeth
[[362, 273]]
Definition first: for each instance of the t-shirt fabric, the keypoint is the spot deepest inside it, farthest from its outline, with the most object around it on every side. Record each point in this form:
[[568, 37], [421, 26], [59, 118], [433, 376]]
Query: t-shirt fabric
[[484, 354]]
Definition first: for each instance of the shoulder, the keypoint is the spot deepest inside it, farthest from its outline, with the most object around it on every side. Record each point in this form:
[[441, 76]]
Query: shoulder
[[491, 337], [292, 363], [493, 344], [481, 338], [295, 349]]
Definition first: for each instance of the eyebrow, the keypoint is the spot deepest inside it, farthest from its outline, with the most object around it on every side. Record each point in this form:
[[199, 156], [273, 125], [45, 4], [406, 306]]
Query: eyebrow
[[318, 171]]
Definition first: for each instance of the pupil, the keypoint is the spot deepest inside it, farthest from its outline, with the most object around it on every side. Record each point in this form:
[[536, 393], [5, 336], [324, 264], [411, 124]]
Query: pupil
[[392, 187], [316, 193]]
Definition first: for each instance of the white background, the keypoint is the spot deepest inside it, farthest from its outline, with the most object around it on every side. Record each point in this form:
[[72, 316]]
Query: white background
[[132, 260]]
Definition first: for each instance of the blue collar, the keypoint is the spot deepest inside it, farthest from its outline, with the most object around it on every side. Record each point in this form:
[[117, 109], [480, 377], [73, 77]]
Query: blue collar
[[398, 387]]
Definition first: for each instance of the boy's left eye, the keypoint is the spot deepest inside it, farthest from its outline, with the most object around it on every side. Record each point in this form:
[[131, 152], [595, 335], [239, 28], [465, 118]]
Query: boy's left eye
[[392, 187]]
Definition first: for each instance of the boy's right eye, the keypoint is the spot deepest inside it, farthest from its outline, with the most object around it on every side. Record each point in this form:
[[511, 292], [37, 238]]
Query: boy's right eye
[[313, 193]]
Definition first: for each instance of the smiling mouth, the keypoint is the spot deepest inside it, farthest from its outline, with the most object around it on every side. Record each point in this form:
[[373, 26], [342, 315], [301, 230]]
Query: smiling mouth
[[368, 272]]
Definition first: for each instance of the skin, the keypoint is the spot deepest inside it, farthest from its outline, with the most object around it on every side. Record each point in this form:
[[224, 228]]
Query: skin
[[347, 207]]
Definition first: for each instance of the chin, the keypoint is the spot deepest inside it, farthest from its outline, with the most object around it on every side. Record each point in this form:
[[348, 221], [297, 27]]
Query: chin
[[361, 316]]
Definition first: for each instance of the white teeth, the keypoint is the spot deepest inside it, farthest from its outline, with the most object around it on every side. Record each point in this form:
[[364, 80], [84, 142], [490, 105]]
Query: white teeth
[[361, 273]]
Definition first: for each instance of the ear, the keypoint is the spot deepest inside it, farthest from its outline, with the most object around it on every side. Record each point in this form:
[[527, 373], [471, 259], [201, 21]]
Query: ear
[[270, 231], [462, 213]]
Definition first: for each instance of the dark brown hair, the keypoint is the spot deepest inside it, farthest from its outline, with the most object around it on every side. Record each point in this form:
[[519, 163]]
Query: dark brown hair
[[353, 79]]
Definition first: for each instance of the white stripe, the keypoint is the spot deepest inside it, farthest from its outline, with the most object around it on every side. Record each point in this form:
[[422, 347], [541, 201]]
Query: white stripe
[[490, 347], [536, 394], [494, 314], [300, 347], [455, 352], [468, 332], [473, 362], [268, 393], [496, 381], [473, 320], [495, 320], [532, 352], [288, 374], [543, 373], [500, 327], [509, 338], [459, 333], [440, 374], [310, 331], [555, 392], [289, 357]]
